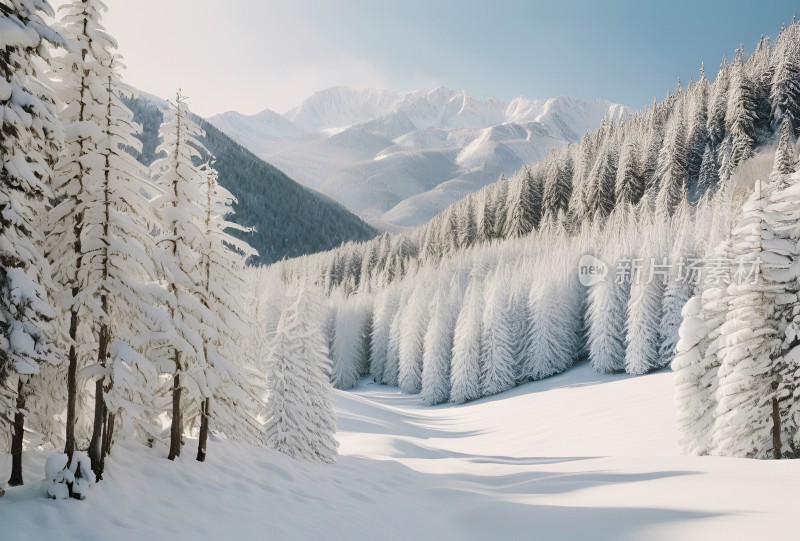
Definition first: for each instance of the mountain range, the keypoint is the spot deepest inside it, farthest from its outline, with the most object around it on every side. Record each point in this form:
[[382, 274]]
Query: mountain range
[[398, 158], [288, 219]]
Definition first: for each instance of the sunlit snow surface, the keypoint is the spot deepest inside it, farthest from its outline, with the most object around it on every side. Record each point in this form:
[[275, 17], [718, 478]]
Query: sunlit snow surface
[[577, 456]]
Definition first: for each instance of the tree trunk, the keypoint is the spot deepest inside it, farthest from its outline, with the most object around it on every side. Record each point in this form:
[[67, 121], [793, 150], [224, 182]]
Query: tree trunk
[[19, 432], [108, 433], [96, 446], [96, 443], [72, 387], [176, 432], [776, 429], [205, 411]]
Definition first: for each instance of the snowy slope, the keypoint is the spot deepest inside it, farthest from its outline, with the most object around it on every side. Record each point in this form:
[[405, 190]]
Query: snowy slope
[[577, 456], [398, 158]]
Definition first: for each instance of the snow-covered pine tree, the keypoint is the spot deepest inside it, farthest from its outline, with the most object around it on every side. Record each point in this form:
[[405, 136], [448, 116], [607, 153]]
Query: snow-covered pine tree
[[607, 316], [347, 343], [181, 241], [82, 91], [741, 113], [385, 307], [629, 187], [102, 219], [750, 368], [465, 375], [697, 135], [438, 348], [695, 366], [500, 206], [708, 179], [672, 169], [524, 204], [391, 370], [557, 189], [487, 208], [718, 105], [785, 163], [681, 284], [497, 344], [28, 149], [553, 341], [468, 227], [644, 306], [785, 87], [413, 328], [228, 401], [655, 139], [599, 198], [301, 420]]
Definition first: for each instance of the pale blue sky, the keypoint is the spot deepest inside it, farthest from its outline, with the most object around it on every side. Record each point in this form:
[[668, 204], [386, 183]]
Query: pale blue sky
[[251, 54]]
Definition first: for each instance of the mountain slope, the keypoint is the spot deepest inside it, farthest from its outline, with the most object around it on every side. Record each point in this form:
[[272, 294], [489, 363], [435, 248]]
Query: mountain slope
[[399, 158], [289, 219]]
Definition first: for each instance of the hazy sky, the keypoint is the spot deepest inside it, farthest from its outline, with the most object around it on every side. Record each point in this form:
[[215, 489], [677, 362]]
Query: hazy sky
[[248, 55]]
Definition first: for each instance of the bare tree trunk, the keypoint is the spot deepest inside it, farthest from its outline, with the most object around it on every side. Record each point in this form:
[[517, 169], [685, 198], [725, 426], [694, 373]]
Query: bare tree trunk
[[176, 432], [17, 441], [776, 429], [108, 433], [72, 386], [96, 446], [205, 411]]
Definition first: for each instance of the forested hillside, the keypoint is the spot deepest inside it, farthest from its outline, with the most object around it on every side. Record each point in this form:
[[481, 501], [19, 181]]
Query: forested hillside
[[487, 295], [683, 147], [289, 219]]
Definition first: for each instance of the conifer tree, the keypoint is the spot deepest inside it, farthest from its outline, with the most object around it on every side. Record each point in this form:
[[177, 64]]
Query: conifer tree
[[629, 186], [607, 315], [385, 308], [553, 338], [228, 403], [30, 140], [182, 239], [741, 114], [697, 135], [413, 328], [784, 155], [557, 189], [672, 169], [718, 105], [497, 344], [438, 349], [785, 87], [708, 180], [644, 309], [347, 343], [465, 374], [750, 371], [301, 420]]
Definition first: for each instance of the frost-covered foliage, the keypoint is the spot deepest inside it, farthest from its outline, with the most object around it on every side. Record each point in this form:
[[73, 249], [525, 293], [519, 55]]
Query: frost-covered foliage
[[737, 365], [30, 136], [301, 421], [101, 222], [490, 317], [141, 267]]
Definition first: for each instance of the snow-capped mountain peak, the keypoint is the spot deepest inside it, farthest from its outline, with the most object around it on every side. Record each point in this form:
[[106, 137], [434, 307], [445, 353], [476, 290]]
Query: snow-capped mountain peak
[[398, 158]]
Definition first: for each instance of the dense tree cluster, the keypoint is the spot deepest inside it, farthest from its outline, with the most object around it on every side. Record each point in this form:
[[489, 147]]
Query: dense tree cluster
[[685, 146], [657, 197], [126, 308]]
